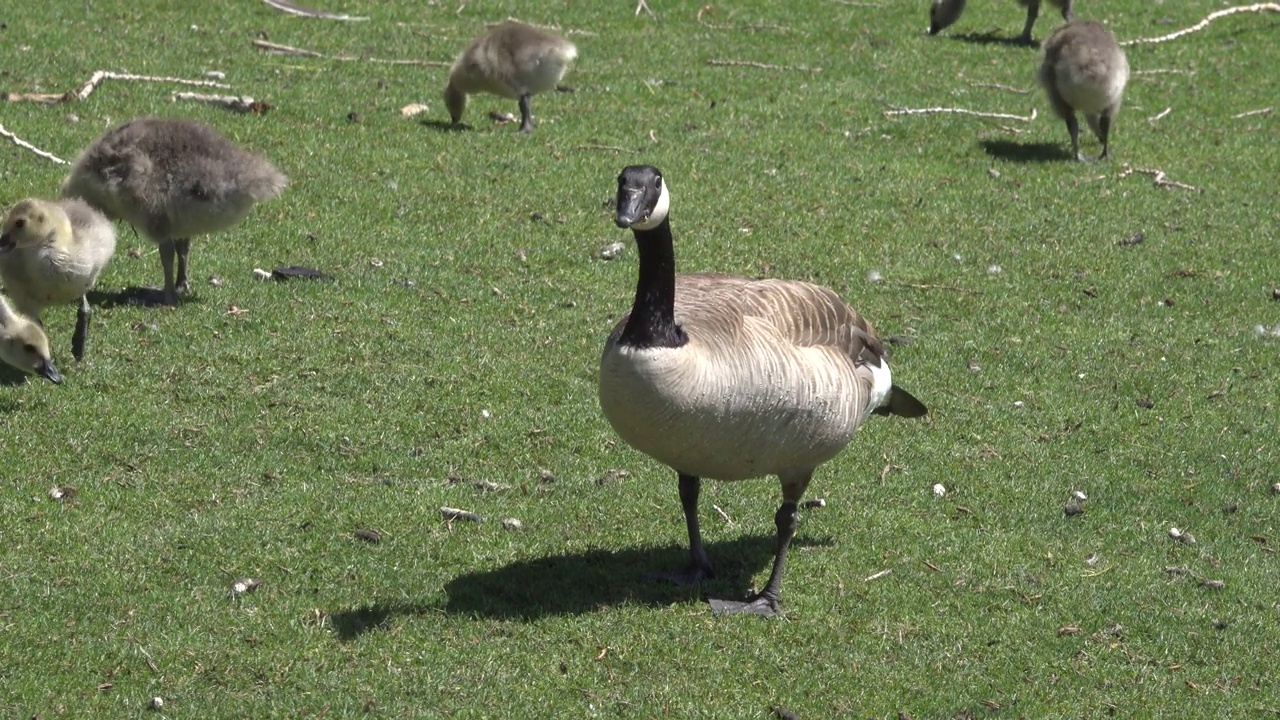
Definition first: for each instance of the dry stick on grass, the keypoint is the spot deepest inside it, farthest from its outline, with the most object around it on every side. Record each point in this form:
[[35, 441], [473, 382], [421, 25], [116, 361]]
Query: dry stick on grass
[[236, 103], [5, 133], [96, 79], [760, 65], [1260, 7], [998, 86], [295, 9], [1251, 113], [645, 7], [612, 148], [1161, 115], [927, 286], [1158, 178], [959, 111], [278, 49]]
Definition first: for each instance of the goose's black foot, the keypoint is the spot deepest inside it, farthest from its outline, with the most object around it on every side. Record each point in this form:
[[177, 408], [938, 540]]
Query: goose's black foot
[[756, 605]]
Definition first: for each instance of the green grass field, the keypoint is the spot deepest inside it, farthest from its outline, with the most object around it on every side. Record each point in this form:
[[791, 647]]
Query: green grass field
[[252, 431]]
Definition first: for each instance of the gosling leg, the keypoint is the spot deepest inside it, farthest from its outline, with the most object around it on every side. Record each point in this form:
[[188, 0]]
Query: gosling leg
[[169, 296], [1104, 133], [82, 329], [526, 114], [184, 248]]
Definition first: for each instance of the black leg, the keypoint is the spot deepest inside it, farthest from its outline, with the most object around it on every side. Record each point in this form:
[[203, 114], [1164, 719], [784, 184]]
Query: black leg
[[1033, 11], [1073, 128], [1067, 13], [699, 567], [183, 247], [526, 114], [82, 330], [768, 601], [1104, 132], [167, 252]]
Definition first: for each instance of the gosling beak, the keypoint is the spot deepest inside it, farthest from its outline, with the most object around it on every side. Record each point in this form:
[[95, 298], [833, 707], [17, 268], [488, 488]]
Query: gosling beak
[[49, 372], [630, 202]]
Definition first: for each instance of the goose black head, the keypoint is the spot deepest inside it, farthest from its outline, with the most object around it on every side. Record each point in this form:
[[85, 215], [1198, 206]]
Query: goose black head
[[643, 200]]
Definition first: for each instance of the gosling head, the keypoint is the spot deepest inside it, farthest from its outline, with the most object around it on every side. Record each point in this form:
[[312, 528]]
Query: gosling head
[[456, 101], [643, 200], [32, 223], [943, 13], [24, 345]]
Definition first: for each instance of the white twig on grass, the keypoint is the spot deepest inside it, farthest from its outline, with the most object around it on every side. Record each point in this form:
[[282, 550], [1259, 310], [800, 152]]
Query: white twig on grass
[[1158, 178], [877, 576], [959, 111], [237, 103], [96, 79], [999, 86], [279, 49], [645, 7], [1160, 115], [1251, 113], [1260, 7], [760, 65], [5, 133], [296, 9]]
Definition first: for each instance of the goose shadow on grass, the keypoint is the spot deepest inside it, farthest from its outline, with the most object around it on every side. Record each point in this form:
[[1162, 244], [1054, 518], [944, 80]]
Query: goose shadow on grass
[[580, 583], [445, 126], [134, 296], [1026, 152], [990, 38]]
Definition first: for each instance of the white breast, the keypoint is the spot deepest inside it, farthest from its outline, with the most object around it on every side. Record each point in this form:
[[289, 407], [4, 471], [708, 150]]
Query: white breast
[[733, 413]]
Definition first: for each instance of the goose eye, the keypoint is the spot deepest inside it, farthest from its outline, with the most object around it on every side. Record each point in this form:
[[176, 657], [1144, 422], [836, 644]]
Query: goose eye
[[19, 223], [29, 348]]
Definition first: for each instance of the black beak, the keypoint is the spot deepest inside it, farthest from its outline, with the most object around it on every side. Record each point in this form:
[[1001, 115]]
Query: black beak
[[49, 372], [630, 207], [6, 243]]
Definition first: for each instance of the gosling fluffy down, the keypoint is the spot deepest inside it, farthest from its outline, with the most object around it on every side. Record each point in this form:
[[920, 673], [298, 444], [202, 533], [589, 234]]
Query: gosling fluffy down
[[172, 179], [51, 253], [732, 378], [943, 13], [512, 60], [1084, 70], [23, 344]]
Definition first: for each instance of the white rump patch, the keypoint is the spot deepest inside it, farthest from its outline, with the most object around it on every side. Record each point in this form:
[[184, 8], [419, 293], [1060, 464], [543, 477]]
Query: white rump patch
[[881, 385], [659, 212]]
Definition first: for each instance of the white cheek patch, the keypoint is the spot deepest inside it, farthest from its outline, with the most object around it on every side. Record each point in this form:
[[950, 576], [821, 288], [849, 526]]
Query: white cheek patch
[[659, 212]]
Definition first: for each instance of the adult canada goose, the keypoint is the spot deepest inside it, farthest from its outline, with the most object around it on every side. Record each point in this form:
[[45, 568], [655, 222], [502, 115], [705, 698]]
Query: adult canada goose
[[172, 179], [24, 345], [945, 12], [51, 253], [512, 60], [730, 378], [1085, 71]]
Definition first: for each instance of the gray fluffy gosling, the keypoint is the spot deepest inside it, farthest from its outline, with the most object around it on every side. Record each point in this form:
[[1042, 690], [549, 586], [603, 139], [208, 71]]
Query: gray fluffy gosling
[[23, 344], [51, 253], [1085, 71], [945, 12], [731, 378], [512, 60], [172, 179]]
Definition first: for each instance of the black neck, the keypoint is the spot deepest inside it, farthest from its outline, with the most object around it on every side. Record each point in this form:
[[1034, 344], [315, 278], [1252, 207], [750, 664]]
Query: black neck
[[653, 315]]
